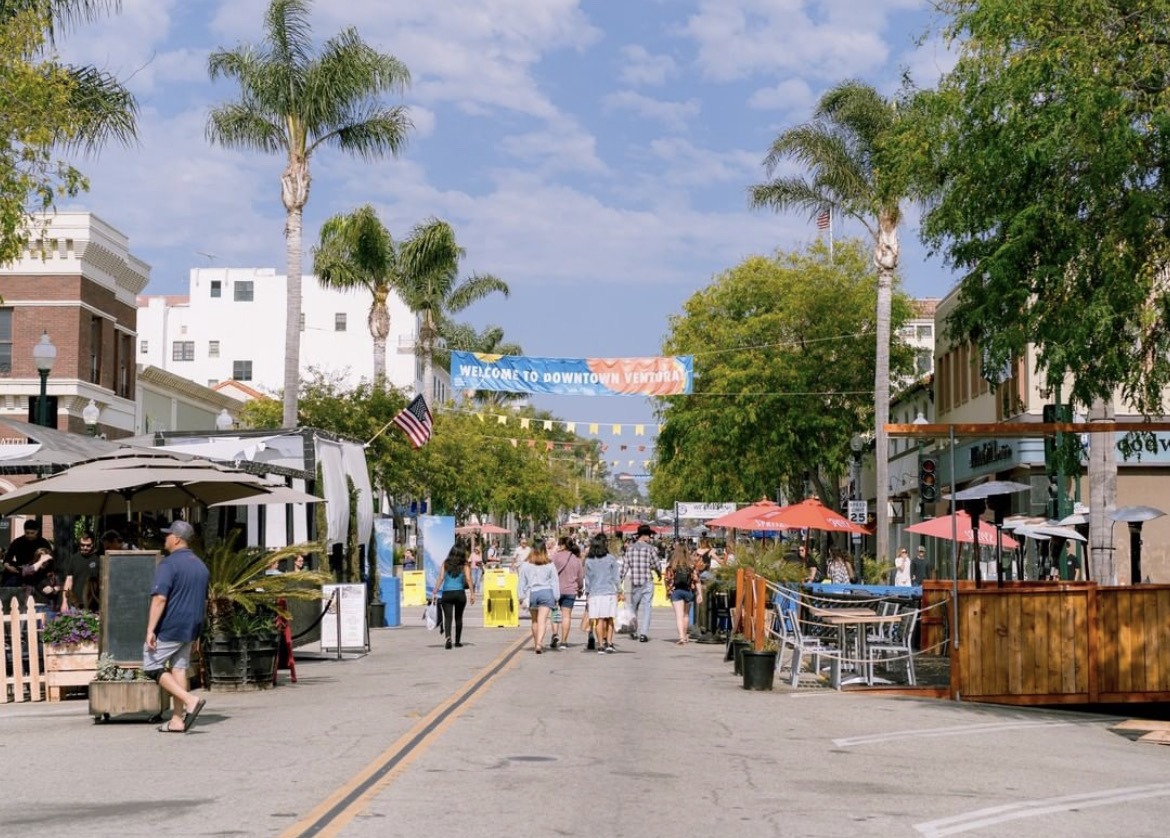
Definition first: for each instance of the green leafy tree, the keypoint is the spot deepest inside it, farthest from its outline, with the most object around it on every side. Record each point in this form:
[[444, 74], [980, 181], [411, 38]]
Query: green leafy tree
[[1047, 148], [46, 107], [842, 149], [432, 288], [784, 354], [293, 102], [489, 341]]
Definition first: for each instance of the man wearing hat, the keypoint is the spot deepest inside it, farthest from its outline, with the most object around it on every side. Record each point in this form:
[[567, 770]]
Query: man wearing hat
[[178, 603], [640, 564]]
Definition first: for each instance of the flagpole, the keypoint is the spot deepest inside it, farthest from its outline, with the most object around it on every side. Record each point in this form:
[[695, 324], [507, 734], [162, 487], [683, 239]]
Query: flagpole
[[831, 259]]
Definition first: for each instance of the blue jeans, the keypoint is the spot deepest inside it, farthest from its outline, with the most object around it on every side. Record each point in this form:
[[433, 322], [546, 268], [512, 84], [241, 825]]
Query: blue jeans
[[641, 596], [476, 575]]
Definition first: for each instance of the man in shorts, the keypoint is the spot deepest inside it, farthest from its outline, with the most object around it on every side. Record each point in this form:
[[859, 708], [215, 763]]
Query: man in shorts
[[178, 603]]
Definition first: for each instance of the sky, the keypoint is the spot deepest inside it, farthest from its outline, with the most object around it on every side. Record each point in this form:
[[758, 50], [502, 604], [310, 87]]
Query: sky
[[593, 154]]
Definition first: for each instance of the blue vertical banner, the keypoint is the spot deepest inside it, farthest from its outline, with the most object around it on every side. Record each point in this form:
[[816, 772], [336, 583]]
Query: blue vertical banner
[[384, 545], [438, 537]]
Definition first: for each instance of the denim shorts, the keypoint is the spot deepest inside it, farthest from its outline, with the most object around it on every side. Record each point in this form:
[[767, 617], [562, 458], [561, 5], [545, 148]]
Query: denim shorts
[[682, 595], [567, 601], [542, 596]]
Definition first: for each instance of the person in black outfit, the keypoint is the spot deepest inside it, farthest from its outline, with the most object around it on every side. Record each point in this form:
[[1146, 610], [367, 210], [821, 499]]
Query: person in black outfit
[[81, 575], [918, 566], [452, 589], [22, 553]]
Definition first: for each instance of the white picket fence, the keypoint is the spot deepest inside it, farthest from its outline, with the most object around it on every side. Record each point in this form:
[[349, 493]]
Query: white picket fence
[[21, 678]]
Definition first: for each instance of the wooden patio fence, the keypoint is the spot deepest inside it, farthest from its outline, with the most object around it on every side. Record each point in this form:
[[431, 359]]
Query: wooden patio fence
[[1033, 643], [21, 678]]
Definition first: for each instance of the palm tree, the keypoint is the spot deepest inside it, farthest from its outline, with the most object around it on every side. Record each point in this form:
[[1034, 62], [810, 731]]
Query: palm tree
[[840, 147], [356, 252], [294, 102], [431, 287]]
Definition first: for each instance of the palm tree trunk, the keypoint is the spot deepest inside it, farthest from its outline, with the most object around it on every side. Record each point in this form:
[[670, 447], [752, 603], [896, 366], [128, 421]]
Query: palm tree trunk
[[886, 260], [1102, 495], [294, 192], [379, 323], [427, 338]]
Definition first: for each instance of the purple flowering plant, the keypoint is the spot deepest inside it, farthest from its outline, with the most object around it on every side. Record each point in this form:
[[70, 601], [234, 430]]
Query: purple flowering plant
[[71, 629]]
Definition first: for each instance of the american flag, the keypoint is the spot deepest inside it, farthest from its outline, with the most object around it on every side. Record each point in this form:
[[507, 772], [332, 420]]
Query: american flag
[[416, 420], [824, 219]]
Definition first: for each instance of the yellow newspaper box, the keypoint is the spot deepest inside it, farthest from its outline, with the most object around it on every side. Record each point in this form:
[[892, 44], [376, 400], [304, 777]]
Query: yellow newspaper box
[[501, 599], [414, 587], [661, 598]]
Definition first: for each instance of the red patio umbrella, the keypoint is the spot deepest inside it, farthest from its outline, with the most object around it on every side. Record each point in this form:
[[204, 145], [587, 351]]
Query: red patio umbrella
[[811, 514], [945, 526], [749, 518], [481, 529]]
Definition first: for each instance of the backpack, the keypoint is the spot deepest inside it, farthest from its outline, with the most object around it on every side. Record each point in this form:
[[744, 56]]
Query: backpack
[[682, 578]]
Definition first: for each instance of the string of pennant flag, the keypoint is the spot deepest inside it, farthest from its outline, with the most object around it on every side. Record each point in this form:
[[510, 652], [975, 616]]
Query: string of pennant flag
[[569, 426]]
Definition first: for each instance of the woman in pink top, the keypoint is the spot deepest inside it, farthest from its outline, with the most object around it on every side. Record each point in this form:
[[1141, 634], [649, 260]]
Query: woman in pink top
[[570, 572], [476, 562]]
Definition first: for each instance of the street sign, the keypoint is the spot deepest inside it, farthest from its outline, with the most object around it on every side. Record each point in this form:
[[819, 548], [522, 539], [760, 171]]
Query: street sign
[[858, 511]]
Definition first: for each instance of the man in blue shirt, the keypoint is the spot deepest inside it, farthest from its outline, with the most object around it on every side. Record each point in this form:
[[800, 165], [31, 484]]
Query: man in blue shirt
[[178, 603]]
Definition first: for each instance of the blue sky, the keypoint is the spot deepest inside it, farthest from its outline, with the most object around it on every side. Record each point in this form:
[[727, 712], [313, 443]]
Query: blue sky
[[594, 154]]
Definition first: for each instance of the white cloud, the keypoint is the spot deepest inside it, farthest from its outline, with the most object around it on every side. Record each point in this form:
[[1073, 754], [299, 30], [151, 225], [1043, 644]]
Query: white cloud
[[689, 165], [673, 115], [830, 39], [561, 146], [788, 95], [642, 68]]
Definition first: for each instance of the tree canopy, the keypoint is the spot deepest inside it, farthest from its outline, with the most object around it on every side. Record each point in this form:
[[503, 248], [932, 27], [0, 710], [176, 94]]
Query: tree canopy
[[784, 368], [47, 108]]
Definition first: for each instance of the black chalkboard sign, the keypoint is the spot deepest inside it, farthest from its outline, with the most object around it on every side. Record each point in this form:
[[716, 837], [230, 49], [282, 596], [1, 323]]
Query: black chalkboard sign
[[125, 603]]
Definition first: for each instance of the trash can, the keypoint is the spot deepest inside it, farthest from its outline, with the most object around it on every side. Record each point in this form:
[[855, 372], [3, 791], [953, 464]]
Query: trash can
[[501, 599], [414, 587], [391, 592]]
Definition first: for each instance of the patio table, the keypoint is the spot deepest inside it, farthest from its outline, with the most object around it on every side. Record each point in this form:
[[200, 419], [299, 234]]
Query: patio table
[[857, 622]]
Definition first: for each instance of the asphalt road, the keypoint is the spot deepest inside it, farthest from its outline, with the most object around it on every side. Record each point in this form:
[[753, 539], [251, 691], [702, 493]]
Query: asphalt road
[[492, 739]]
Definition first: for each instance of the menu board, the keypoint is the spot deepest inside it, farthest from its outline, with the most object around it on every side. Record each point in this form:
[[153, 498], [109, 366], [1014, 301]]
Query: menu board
[[125, 603], [345, 617]]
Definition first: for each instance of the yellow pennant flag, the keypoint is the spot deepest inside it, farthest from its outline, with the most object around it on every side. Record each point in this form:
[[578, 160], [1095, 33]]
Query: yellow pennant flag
[[547, 425], [617, 430], [501, 419], [592, 427], [639, 430], [571, 427], [524, 423]]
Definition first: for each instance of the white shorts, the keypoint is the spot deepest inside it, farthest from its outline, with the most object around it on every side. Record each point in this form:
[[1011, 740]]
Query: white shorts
[[602, 606]]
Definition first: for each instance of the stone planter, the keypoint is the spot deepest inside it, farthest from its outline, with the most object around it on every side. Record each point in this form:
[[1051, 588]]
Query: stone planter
[[69, 666]]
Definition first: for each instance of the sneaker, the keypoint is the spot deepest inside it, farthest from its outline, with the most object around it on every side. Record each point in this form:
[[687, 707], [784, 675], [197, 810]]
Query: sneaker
[[458, 645], [601, 650], [556, 641], [448, 643], [643, 638], [610, 649]]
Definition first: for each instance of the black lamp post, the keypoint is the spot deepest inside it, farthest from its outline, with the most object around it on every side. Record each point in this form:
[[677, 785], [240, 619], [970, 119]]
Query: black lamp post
[[856, 445], [44, 354]]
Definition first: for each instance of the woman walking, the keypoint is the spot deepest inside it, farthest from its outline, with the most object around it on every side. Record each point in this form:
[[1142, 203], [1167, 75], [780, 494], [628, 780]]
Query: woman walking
[[539, 590], [476, 561], [602, 578], [684, 588], [451, 592], [567, 560]]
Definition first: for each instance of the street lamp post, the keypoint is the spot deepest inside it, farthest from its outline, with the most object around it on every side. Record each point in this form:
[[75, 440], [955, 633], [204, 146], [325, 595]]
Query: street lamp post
[[856, 445], [90, 414], [44, 354]]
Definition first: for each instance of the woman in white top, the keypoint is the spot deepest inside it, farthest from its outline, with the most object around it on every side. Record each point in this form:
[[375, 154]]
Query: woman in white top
[[539, 590], [902, 569]]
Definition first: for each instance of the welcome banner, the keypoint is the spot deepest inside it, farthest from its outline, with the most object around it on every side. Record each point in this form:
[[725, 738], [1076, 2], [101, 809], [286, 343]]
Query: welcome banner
[[657, 376]]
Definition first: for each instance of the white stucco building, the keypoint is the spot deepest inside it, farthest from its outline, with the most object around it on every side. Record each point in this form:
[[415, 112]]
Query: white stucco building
[[230, 327]]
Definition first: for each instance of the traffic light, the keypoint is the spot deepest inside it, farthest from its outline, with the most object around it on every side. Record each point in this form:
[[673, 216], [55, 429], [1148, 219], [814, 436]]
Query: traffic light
[[928, 479]]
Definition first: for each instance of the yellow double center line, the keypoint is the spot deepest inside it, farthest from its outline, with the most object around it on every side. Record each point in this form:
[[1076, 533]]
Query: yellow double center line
[[331, 815]]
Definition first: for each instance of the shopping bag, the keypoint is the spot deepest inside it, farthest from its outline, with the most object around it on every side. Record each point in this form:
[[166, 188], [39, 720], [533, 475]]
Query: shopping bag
[[431, 615], [586, 623], [625, 617]]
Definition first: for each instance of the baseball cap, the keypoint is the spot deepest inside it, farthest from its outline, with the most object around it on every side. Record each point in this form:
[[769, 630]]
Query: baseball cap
[[180, 529], [31, 525]]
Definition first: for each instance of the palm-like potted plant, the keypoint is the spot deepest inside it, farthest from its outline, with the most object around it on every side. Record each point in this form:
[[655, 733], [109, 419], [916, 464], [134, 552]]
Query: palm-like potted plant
[[244, 603]]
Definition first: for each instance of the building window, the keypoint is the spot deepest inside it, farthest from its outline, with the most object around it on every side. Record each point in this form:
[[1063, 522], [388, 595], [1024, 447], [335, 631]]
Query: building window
[[339, 322], [924, 359], [183, 350], [95, 350], [216, 288], [213, 349], [143, 347], [5, 341], [302, 322], [243, 292], [925, 332], [242, 370]]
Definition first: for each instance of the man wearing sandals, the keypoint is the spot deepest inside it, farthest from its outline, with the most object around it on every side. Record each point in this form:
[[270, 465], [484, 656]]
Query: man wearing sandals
[[178, 603]]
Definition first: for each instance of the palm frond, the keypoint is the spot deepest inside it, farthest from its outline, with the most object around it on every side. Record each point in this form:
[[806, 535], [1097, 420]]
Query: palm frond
[[473, 289], [105, 110], [238, 126]]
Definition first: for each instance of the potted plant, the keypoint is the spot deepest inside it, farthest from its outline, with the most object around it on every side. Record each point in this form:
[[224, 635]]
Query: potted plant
[[71, 651], [244, 602], [759, 668]]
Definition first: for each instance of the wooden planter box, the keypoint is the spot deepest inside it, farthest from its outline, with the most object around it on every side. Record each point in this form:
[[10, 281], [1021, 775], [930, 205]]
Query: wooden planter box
[[113, 698], [69, 666]]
